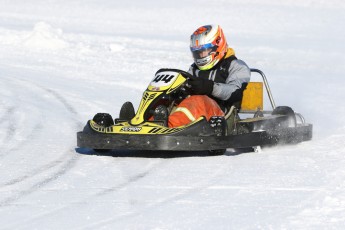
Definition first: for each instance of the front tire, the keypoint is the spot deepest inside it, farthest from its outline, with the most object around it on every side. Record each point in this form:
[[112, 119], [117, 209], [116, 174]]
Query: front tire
[[105, 120]]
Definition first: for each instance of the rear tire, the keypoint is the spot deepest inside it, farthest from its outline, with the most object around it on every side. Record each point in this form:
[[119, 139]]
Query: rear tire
[[289, 113]]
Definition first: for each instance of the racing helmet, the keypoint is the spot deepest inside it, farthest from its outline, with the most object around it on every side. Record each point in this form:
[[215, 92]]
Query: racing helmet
[[208, 46]]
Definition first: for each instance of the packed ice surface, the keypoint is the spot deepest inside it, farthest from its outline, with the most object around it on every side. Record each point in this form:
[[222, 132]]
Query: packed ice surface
[[63, 61]]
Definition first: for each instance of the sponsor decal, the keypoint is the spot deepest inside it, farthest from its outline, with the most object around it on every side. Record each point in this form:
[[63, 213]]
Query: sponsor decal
[[130, 129], [156, 89]]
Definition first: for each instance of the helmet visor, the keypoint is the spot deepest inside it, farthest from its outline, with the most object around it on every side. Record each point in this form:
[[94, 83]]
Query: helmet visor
[[203, 51]]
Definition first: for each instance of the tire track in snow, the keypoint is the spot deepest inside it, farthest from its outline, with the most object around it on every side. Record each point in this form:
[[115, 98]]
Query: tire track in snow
[[11, 126], [130, 180], [328, 200], [35, 172], [78, 124], [21, 143], [64, 102], [12, 129], [68, 165], [174, 197], [65, 167], [8, 111], [8, 120]]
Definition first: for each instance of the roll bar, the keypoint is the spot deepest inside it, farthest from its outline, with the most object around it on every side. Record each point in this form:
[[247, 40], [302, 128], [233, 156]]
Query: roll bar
[[269, 93]]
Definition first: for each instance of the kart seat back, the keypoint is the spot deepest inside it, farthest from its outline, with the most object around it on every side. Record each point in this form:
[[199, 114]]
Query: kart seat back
[[252, 100]]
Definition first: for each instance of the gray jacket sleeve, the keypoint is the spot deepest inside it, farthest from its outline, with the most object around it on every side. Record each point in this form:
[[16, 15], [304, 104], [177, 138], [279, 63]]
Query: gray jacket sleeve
[[239, 73]]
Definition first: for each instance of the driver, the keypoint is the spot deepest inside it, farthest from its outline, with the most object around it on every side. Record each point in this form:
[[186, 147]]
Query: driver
[[219, 78]]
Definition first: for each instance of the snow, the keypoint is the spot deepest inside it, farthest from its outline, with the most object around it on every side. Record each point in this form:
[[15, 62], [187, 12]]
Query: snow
[[63, 61]]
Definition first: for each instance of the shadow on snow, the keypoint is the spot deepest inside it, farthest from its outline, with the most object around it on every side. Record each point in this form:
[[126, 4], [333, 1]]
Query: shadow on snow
[[158, 154]]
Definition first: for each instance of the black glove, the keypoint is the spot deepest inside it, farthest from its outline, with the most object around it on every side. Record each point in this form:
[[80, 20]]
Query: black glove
[[201, 86]]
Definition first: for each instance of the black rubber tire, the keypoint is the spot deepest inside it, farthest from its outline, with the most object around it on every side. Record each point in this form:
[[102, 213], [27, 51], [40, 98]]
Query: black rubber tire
[[127, 111], [103, 119], [106, 120], [291, 117]]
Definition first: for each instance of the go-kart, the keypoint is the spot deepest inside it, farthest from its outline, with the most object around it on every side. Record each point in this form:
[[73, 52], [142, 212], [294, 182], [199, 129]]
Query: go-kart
[[141, 131]]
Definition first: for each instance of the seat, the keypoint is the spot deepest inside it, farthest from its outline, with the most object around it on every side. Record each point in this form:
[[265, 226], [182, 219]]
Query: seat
[[252, 100]]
